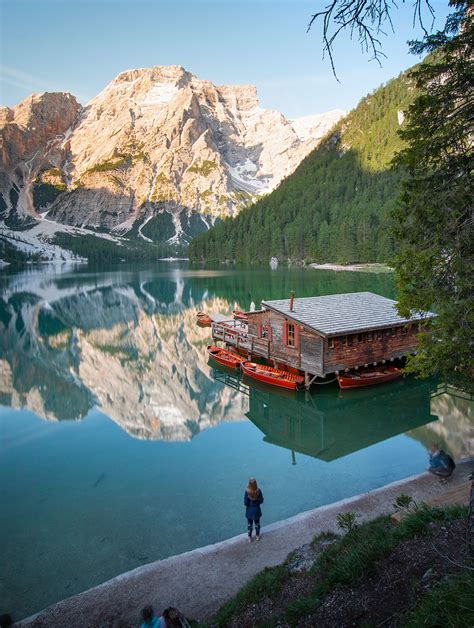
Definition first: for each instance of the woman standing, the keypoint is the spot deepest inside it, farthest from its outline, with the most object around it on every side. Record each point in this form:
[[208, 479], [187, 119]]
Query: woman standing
[[253, 497]]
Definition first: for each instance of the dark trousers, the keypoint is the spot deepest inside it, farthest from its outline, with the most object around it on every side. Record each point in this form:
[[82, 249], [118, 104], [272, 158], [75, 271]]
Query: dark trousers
[[250, 523], [441, 472]]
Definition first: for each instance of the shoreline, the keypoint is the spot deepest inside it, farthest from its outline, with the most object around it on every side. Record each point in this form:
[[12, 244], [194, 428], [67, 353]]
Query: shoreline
[[361, 268], [198, 582]]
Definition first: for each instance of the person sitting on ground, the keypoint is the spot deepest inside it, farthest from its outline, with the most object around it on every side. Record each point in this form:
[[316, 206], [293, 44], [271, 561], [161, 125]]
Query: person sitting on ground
[[149, 619], [253, 497], [6, 620], [172, 618], [441, 464]]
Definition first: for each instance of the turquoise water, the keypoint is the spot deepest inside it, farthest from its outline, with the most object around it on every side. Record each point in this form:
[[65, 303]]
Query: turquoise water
[[120, 445]]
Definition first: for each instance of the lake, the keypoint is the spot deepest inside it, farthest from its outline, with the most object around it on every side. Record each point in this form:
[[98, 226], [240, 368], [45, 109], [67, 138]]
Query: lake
[[121, 445]]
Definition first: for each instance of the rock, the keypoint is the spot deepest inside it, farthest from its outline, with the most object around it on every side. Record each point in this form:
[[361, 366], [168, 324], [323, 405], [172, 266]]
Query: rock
[[158, 154], [30, 141], [304, 557]]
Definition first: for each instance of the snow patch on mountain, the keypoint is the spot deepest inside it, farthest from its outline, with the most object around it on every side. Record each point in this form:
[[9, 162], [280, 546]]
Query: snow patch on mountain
[[316, 126], [160, 94]]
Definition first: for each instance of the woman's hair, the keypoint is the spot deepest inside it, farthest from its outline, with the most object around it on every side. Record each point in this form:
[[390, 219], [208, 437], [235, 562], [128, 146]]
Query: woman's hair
[[173, 618], [252, 488], [147, 613]]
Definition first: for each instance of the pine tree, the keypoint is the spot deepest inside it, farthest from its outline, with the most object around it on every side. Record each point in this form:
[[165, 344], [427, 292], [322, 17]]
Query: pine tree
[[434, 220]]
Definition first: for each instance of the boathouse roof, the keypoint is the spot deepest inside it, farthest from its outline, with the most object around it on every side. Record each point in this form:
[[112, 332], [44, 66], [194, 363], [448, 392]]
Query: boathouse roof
[[344, 313]]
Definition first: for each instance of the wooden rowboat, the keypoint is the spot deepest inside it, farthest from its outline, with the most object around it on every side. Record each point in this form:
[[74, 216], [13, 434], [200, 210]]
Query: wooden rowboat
[[369, 378], [239, 315], [272, 376], [224, 357], [203, 319]]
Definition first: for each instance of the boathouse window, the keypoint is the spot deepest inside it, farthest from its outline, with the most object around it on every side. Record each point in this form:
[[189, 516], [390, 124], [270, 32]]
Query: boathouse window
[[343, 340], [404, 331], [393, 331], [360, 337], [349, 340], [379, 334], [331, 343], [370, 336], [291, 335]]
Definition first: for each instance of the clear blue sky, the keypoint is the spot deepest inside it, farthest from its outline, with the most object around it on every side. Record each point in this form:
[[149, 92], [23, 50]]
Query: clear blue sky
[[81, 45]]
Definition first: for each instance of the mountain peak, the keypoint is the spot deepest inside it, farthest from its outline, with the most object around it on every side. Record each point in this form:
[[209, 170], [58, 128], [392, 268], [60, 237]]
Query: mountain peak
[[161, 73], [159, 153]]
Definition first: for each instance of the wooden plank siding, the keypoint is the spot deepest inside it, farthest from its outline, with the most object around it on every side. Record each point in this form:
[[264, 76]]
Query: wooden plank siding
[[383, 346], [320, 355], [307, 355]]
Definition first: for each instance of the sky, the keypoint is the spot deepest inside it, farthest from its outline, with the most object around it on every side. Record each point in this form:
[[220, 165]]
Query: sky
[[81, 45]]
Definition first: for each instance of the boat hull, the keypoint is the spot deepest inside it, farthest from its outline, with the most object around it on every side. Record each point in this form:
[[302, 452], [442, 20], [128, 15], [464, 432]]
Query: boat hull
[[368, 379], [225, 358], [204, 320], [271, 376], [240, 316]]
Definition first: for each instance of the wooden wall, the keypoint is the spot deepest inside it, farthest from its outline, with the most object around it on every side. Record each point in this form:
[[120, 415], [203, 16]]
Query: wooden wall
[[306, 356], [357, 353], [313, 353]]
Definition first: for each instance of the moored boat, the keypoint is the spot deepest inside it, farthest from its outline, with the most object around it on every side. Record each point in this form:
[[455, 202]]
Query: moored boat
[[203, 319], [369, 378], [272, 376], [224, 357], [239, 315]]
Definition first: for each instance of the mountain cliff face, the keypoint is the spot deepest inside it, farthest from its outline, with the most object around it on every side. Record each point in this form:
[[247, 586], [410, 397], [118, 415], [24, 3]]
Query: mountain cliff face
[[158, 155], [28, 145]]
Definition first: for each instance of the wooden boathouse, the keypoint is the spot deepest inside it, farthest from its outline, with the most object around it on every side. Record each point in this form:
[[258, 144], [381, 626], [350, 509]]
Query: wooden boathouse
[[317, 336]]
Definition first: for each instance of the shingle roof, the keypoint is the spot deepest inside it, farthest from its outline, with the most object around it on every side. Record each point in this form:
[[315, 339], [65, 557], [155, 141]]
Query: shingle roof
[[344, 313]]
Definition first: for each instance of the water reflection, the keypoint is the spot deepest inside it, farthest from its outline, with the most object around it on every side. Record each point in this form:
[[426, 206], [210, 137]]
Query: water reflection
[[126, 341], [329, 424], [129, 347]]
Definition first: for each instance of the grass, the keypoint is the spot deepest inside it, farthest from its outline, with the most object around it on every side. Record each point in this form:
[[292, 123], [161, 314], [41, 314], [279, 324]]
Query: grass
[[345, 562], [267, 583], [450, 603], [203, 169], [105, 166]]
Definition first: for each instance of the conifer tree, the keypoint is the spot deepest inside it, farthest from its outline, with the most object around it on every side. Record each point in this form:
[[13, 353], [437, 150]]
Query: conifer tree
[[433, 223]]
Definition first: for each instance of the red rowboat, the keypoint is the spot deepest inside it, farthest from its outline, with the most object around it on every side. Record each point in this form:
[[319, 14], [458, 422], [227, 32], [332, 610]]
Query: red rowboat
[[239, 315], [203, 319], [272, 376], [368, 378], [224, 357]]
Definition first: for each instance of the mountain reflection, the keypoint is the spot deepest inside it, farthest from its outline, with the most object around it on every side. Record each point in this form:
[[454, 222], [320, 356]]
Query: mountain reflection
[[128, 345]]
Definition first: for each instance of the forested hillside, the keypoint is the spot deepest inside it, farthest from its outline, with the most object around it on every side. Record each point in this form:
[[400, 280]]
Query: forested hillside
[[335, 206]]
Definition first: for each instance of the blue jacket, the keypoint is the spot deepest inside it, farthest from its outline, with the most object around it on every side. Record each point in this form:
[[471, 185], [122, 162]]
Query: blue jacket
[[154, 622], [440, 460], [253, 510]]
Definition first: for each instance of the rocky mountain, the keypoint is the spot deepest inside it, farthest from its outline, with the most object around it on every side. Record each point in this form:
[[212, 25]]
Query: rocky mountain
[[28, 145], [158, 155]]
